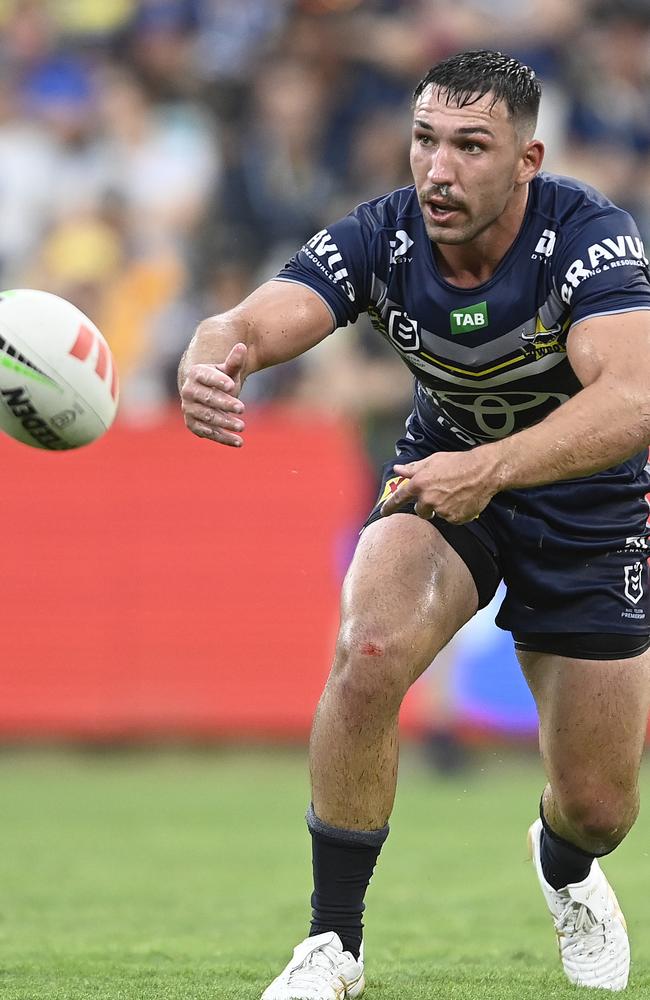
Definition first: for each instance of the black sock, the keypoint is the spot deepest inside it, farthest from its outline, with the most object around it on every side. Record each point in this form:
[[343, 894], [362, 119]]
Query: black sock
[[343, 863], [562, 863]]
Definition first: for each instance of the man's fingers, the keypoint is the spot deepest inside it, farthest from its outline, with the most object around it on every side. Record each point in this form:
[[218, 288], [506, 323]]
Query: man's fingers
[[218, 434], [212, 413], [235, 361], [214, 418], [210, 408], [212, 376], [215, 399], [402, 495], [407, 470], [202, 398], [424, 510], [203, 381]]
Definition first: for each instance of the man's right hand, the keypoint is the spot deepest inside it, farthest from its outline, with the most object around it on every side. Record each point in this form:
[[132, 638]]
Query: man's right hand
[[209, 399]]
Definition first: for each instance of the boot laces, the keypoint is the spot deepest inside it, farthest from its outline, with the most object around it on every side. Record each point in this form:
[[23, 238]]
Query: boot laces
[[577, 922], [310, 972]]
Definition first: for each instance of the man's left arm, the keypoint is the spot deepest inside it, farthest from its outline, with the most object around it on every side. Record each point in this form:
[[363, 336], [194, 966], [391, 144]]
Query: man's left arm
[[602, 425]]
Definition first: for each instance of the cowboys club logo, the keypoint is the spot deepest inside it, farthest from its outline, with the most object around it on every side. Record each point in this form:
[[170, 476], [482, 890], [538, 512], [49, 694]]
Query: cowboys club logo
[[402, 330], [539, 343], [633, 584], [496, 416]]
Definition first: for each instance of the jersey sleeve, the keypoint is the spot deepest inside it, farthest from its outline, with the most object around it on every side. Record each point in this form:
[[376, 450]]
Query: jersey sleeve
[[334, 263], [603, 268]]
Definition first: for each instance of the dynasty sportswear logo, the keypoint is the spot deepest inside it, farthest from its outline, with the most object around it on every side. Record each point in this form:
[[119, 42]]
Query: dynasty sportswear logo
[[470, 319], [545, 245], [399, 247]]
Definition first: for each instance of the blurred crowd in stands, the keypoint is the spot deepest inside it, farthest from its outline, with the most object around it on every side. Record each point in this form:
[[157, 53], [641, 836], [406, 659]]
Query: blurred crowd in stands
[[160, 158]]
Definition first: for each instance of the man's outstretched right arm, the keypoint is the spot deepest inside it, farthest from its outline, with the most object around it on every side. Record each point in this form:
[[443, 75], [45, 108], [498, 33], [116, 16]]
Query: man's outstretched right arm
[[277, 322]]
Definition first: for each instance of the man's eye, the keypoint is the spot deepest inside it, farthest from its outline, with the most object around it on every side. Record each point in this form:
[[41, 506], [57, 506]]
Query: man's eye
[[472, 147]]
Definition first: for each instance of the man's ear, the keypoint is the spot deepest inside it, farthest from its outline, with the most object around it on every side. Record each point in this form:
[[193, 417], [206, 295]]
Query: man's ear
[[531, 161]]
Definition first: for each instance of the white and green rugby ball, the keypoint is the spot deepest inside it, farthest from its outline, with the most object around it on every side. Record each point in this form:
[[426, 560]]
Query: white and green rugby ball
[[58, 381]]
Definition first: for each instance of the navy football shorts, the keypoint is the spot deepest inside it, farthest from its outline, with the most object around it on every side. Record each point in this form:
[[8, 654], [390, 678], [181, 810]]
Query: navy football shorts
[[573, 555]]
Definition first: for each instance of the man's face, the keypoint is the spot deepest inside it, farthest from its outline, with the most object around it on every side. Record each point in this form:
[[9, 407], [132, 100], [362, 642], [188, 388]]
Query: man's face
[[465, 163]]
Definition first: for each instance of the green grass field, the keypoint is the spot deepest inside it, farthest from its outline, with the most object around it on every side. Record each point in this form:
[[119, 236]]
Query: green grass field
[[144, 876]]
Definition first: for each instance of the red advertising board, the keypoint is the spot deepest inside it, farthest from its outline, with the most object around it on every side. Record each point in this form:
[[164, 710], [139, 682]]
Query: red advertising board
[[160, 586]]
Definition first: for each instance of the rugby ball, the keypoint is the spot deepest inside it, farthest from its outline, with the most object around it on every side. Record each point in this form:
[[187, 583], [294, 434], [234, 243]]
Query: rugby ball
[[58, 381]]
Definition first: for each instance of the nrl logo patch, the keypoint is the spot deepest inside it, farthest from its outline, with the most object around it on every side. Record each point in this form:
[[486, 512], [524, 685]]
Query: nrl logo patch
[[633, 584], [402, 330]]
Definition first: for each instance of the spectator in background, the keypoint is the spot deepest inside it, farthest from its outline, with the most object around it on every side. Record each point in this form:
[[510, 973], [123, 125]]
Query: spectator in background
[[609, 102], [232, 36], [143, 117], [277, 191], [62, 97], [27, 158], [376, 159], [86, 22], [163, 161], [50, 164], [159, 46], [136, 179]]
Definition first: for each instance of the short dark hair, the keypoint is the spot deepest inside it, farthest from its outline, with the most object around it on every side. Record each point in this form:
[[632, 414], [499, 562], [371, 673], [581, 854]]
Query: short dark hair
[[467, 76]]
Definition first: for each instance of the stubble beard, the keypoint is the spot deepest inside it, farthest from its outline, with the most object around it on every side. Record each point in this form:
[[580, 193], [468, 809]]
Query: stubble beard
[[456, 236], [448, 235]]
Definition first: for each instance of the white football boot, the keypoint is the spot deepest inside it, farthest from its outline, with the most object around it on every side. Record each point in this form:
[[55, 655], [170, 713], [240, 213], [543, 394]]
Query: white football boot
[[591, 930], [319, 970]]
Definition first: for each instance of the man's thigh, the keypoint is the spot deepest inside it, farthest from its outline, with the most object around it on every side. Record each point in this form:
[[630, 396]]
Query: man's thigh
[[593, 717], [406, 593]]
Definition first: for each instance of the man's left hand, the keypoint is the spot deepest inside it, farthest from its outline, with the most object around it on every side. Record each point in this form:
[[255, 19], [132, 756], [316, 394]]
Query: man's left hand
[[456, 486]]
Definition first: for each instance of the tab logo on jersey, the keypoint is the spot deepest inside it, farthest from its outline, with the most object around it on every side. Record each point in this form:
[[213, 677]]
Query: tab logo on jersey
[[402, 330], [470, 319], [399, 247]]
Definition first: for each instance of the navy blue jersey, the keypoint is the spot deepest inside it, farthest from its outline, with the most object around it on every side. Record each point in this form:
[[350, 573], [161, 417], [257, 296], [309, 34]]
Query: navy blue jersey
[[491, 359]]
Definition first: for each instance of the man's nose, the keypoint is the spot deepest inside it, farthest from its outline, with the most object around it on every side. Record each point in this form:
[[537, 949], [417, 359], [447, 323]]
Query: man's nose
[[440, 168]]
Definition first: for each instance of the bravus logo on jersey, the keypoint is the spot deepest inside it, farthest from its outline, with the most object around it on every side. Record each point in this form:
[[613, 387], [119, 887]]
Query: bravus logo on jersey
[[323, 251], [470, 319], [611, 252]]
